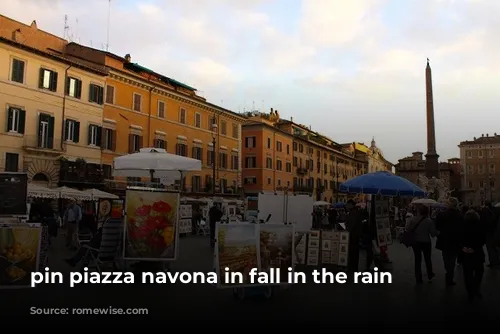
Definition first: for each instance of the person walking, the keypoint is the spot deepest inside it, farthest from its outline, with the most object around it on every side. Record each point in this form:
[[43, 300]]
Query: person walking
[[472, 244], [215, 215], [489, 222], [423, 229], [449, 225], [354, 225], [72, 218]]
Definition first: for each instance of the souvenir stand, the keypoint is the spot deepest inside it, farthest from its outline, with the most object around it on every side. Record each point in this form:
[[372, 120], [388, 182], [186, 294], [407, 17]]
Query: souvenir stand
[[381, 185], [185, 217], [21, 251], [151, 223]]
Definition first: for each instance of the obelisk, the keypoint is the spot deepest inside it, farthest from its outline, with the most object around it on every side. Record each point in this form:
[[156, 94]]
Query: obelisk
[[431, 158]]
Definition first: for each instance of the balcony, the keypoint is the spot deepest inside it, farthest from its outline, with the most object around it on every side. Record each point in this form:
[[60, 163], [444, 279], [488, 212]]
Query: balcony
[[42, 144], [80, 174], [303, 189], [301, 170]]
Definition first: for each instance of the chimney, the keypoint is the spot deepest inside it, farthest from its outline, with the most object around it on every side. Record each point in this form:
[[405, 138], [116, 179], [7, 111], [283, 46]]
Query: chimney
[[487, 135], [16, 34], [482, 134], [474, 138], [33, 25], [291, 119], [272, 110], [128, 58]]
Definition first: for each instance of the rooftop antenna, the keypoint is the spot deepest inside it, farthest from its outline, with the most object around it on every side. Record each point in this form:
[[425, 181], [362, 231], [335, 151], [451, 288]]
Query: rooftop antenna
[[66, 27], [77, 34], [109, 19]]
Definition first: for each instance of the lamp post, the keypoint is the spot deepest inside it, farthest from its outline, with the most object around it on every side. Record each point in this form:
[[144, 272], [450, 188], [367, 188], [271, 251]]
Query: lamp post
[[214, 142]]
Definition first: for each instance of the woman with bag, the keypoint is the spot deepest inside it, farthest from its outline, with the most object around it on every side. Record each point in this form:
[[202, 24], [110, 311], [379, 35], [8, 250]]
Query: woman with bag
[[419, 231]]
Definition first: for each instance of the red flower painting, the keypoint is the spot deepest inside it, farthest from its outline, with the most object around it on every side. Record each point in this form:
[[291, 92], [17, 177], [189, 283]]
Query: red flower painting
[[151, 229]]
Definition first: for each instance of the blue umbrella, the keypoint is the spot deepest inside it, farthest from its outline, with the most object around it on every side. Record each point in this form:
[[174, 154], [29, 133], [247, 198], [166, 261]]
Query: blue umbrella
[[381, 183], [339, 205]]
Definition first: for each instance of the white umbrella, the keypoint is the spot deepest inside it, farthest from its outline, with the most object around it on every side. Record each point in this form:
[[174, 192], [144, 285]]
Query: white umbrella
[[35, 190], [99, 194], [497, 205], [424, 201], [154, 162], [69, 193], [321, 203]]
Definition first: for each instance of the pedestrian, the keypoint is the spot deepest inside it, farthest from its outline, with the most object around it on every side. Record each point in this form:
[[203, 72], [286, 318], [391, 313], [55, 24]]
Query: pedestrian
[[489, 222], [354, 225], [423, 229], [473, 258], [449, 225], [214, 215], [72, 218]]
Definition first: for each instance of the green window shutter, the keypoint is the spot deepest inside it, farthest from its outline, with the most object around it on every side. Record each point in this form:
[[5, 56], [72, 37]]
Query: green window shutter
[[78, 89], [10, 116], [21, 121], [76, 137], [66, 129], [68, 85], [40, 80], [51, 132], [53, 81], [99, 136]]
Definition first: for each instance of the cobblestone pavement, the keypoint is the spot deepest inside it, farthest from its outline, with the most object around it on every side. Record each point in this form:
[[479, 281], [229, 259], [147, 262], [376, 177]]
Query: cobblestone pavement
[[399, 300]]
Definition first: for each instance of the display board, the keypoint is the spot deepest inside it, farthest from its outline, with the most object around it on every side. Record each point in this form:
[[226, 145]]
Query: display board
[[19, 255], [295, 209], [300, 243], [313, 248], [382, 217], [13, 194], [185, 218], [243, 246], [151, 225], [326, 247]]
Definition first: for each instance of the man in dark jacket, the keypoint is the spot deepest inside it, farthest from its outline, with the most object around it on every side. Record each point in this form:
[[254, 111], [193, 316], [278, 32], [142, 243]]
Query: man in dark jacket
[[449, 225], [354, 225], [489, 222], [215, 214]]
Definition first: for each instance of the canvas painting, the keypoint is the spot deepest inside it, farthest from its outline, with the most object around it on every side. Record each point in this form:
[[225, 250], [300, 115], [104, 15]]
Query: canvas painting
[[326, 245], [335, 246], [327, 235], [343, 249], [313, 252], [344, 237], [312, 261], [276, 248], [314, 235], [313, 243], [342, 260], [336, 236]]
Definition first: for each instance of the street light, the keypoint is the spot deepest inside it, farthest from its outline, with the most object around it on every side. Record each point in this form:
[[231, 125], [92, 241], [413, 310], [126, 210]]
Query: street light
[[214, 132]]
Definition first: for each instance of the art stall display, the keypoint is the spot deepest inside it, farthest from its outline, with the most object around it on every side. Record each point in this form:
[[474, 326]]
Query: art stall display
[[313, 248], [185, 218], [151, 226], [13, 194], [300, 248], [292, 209], [237, 248], [19, 255], [343, 249], [382, 217], [110, 208], [276, 248]]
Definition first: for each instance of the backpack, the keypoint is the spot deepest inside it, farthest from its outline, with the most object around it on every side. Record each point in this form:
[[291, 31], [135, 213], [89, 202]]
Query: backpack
[[408, 237]]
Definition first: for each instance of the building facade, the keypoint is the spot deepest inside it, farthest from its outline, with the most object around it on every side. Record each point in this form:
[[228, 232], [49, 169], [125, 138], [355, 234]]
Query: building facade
[[143, 108], [372, 155], [480, 169], [49, 121], [318, 164], [413, 169]]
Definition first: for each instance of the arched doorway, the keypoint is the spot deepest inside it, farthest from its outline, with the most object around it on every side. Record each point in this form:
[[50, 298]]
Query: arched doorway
[[40, 179]]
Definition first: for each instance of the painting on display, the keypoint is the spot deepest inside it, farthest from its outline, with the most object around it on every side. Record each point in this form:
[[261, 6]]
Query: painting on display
[[237, 248], [382, 216], [300, 246], [110, 208], [19, 255], [151, 226], [277, 248]]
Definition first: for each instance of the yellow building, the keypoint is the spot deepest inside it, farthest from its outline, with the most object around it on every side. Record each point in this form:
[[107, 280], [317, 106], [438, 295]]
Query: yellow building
[[48, 117], [143, 108]]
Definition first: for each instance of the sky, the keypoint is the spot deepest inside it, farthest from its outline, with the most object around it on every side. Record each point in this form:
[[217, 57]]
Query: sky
[[352, 70]]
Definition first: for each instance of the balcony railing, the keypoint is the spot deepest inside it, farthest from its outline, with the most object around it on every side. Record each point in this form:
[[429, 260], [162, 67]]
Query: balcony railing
[[303, 189], [301, 170], [44, 143]]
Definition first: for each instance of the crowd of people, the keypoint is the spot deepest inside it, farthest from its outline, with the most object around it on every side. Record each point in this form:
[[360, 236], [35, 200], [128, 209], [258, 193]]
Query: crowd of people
[[461, 235]]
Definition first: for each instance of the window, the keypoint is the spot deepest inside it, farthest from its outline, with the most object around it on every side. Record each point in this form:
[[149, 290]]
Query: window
[[279, 146], [137, 100], [161, 109], [223, 127], [251, 162], [268, 142], [96, 93], [269, 163], [279, 165], [73, 87], [295, 146], [480, 153], [223, 160], [16, 119], [234, 162], [250, 180], [250, 142], [210, 156], [109, 139], [48, 80], [470, 185], [160, 143], [288, 167], [11, 162], [211, 122], [481, 184], [46, 131], [268, 180], [110, 94], [197, 120], [196, 183], [295, 161], [301, 148], [72, 131], [287, 149], [181, 149], [94, 137], [17, 74], [182, 116], [236, 132], [198, 153], [134, 143]]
